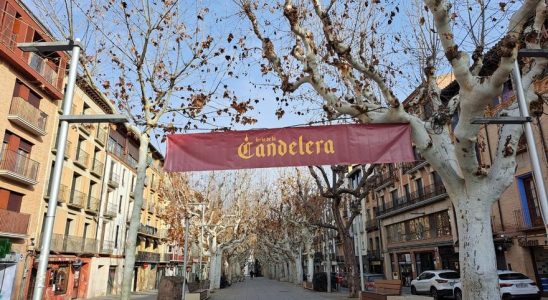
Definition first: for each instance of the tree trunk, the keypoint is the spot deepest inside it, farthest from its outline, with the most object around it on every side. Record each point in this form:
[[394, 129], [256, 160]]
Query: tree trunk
[[310, 262], [477, 251], [216, 268], [131, 239], [298, 269], [350, 262]]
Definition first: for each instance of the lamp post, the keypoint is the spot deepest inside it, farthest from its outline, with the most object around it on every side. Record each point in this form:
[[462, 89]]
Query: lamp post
[[65, 119], [187, 227]]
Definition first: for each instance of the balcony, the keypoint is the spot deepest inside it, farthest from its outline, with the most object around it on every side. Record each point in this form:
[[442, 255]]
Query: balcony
[[62, 195], [92, 206], [111, 210], [71, 244], [107, 247], [525, 220], [148, 230], [97, 168], [371, 225], [77, 199], [411, 167], [82, 159], [27, 116], [415, 199], [68, 147], [43, 67], [374, 254], [8, 38], [113, 180], [101, 136], [86, 128], [13, 224], [18, 166], [144, 256], [384, 179]]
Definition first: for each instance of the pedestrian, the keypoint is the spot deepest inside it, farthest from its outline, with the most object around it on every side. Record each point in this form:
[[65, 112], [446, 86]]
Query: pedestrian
[[251, 274]]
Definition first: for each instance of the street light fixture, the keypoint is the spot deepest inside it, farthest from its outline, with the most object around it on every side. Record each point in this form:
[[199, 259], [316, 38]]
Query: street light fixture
[[75, 47]]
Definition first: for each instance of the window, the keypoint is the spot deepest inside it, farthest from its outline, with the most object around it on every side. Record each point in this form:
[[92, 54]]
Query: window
[[529, 201], [120, 205], [407, 192], [23, 91], [10, 200], [436, 179], [420, 188], [123, 176], [116, 238], [394, 196], [60, 278]]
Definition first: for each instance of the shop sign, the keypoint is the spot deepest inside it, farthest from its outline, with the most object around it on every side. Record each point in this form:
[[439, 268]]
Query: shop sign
[[528, 243]]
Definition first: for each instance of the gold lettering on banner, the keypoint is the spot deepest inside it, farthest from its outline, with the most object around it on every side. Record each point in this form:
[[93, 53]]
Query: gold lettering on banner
[[271, 147]]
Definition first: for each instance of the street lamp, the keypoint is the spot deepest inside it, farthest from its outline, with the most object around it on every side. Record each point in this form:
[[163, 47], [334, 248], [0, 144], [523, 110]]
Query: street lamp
[[65, 119]]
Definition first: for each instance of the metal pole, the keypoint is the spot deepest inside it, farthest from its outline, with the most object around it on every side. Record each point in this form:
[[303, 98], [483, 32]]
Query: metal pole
[[56, 178], [202, 241], [360, 253], [328, 261], [532, 148], [187, 227]]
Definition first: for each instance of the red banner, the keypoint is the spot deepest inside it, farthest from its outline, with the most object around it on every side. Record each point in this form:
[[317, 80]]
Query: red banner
[[284, 147]]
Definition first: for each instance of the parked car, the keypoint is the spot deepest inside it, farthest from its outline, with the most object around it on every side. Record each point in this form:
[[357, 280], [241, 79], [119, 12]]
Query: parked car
[[369, 280], [436, 283], [513, 285]]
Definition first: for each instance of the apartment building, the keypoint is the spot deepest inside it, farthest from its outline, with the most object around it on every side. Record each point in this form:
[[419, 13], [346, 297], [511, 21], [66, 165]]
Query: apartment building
[[74, 244], [31, 90]]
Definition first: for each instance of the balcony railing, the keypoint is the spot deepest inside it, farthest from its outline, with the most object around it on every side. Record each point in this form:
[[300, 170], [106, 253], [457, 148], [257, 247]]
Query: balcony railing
[[113, 180], [14, 222], [384, 178], [371, 224], [27, 116], [374, 254], [97, 168], [77, 199], [72, 244], [62, 195], [147, 230], [82, 158], [526, 220], [111, 210], [18, 166], [41, 66], [101, 136], [8, 38], [92, 205], [428, 192], [68, 147], [107, 247], [144, 256]]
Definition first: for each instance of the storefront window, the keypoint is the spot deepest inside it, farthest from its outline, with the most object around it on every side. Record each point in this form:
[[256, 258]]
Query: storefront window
[[59, 279]]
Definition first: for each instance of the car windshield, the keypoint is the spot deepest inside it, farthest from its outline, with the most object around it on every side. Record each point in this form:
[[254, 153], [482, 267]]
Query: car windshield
[[512, 276], [449, 275]]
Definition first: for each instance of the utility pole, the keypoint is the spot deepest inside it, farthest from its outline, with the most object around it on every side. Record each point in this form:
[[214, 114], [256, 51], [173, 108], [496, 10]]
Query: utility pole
[[187, 228]]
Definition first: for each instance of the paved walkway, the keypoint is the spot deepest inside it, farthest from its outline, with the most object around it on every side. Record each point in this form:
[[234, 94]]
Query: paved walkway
[[261, 288]]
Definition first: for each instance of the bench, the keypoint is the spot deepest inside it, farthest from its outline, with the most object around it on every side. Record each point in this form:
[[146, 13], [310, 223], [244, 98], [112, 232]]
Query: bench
[[383, 289], [198, 290]]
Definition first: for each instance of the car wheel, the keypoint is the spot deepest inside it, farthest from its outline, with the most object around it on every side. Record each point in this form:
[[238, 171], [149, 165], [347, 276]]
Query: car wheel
[[434, 293], [413, 290], [458, 294]]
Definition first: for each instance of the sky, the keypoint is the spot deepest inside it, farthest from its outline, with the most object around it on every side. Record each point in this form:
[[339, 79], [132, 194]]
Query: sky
[[223, 17]]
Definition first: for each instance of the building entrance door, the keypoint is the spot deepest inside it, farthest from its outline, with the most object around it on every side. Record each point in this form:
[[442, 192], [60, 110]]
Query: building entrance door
[[111, 278]]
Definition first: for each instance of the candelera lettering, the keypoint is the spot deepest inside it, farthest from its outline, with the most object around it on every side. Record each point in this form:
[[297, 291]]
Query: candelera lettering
[[271, 146]]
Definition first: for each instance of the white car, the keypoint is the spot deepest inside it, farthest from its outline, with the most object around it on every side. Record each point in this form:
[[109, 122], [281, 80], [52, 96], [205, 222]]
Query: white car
[[436, 283], [513, 285]]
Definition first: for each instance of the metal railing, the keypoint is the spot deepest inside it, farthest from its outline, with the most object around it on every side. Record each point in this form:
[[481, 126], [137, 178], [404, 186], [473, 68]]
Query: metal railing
[[527, 220], [407, 166], [107, 247], [41, 66], [62, 196], [101, 136], [71, 244], [29, 114], [111, 210], [144, 256], [148, 230], [97, 167], [371, 224], [113, 180], [77, 199], [18, 163], [13, 222], [82, 158], [8, 38], [423, 194], [92, 205], [68, 146]]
